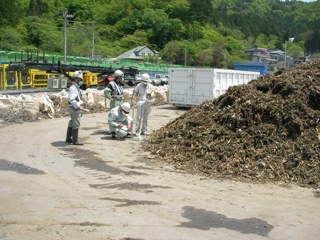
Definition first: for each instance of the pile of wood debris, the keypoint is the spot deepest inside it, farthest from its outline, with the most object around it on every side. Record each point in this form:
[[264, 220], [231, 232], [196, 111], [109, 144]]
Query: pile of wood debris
[[264, 131]]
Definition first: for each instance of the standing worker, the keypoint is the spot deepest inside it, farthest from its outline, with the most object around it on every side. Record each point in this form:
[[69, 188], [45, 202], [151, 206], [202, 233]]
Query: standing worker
[[120, 122], [114, 90], [74, 108], [144, 91]]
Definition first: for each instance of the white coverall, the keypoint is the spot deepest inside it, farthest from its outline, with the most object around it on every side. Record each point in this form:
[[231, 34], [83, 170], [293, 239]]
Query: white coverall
[[117, 117], [74, 102], [145, 95]]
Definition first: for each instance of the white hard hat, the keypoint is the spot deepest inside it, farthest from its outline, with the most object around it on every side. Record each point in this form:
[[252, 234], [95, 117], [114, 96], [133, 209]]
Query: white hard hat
[[145, 77], [125, 107], [78, 74], [118, 73]]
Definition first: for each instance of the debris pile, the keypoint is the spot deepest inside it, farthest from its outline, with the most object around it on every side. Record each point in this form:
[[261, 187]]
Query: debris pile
[[34, 107], [30, 108], [264, 131]]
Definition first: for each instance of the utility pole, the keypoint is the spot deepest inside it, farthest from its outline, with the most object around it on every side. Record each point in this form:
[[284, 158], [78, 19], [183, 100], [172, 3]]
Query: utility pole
[[285, 50], [185, 54], [285, 53], [93, 28], [65, 19]]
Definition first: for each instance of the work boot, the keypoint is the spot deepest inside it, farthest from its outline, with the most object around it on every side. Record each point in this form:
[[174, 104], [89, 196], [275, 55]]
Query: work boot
[[69, 135], [75, 137]]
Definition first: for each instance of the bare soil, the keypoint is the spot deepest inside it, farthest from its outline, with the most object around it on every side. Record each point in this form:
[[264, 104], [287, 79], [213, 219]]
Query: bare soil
[[113, 190]]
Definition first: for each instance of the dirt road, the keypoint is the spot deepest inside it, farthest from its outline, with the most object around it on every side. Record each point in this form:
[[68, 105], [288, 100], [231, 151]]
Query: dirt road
[[105, 190]]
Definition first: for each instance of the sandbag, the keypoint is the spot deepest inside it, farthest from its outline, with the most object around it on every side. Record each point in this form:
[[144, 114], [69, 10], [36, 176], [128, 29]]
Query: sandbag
[[30, 104], [46, 105], [7, 102]]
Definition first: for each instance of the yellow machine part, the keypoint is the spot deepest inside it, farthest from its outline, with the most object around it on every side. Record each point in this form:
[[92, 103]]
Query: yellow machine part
[[36, 79], [39, 78], [90, 79], [8, 79], [2, 77]]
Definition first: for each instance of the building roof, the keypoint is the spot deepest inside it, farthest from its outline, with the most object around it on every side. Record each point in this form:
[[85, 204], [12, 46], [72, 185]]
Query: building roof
[[257, 50], [134, 53]]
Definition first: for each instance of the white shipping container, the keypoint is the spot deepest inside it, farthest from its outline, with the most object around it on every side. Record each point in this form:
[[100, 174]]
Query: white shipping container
[[192, 86]]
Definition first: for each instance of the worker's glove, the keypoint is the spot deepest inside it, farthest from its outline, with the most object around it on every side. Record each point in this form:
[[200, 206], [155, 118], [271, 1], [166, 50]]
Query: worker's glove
[[150, 95], [79, 104]]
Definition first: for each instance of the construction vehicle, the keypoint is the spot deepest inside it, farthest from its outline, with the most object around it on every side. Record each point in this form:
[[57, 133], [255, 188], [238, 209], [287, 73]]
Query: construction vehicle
[[37, 75]]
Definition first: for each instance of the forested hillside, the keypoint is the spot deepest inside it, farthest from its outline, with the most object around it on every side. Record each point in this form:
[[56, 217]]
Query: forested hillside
[[202, 32]]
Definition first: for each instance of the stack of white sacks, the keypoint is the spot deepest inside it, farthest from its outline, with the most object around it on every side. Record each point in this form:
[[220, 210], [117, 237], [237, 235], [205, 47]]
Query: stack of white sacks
[[55, 104]]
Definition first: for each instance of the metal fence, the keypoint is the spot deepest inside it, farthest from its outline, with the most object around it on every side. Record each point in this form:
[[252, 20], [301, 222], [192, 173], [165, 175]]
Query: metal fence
[[9, 56]]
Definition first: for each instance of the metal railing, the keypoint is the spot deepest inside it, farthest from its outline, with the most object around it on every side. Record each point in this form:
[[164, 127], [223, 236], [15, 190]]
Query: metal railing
[[11, 56]]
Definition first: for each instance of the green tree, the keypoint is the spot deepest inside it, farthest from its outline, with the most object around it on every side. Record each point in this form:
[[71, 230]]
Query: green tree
[[266, 41], [201, 10], [38, 7], [11, 39], [10, 14], [158, 25], [312, 40], [178, 9], [295, 51], [173, 52], [131, 41], [81, 11], [42, 34], [122, 24], [218, 60], [204, 58]]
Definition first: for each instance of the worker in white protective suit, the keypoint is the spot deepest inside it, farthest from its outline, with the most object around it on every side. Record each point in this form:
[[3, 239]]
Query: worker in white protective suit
[[74, 108], [144, 93], [114, 90], [120, 122]]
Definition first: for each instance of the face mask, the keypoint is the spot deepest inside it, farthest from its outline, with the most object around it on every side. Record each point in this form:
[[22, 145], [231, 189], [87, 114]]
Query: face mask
[[80, 82], [145, 83], [119, 79], [125, 115]]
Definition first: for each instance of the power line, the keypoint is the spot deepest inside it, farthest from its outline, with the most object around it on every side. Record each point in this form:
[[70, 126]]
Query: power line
[[88, 22]]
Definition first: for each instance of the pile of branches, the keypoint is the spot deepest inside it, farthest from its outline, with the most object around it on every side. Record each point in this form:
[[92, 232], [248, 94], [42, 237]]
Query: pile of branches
[[265, 131]]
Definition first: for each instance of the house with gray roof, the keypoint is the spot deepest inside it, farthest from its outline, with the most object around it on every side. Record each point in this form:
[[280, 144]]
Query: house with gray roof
[[138, 53]]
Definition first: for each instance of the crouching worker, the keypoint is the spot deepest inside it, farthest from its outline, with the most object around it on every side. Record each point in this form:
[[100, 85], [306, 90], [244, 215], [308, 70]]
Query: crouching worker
[[120, 123]]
